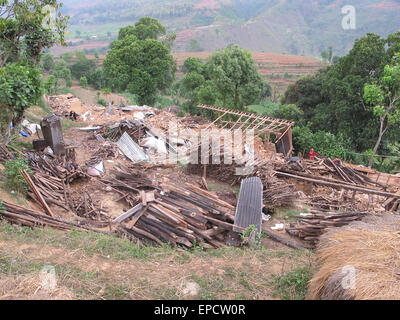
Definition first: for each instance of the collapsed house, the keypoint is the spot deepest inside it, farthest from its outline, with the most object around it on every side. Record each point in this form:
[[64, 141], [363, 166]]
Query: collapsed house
[[123, 155]]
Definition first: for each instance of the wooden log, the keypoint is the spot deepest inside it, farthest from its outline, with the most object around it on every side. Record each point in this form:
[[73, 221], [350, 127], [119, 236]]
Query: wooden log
[[160, 234], [146, 234], [32, 186], [339, 186], [158, 224], [128, 214], [135, 219]]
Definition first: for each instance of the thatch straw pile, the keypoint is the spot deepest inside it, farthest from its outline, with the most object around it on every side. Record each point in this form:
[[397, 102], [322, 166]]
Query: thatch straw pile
[[372, 248]]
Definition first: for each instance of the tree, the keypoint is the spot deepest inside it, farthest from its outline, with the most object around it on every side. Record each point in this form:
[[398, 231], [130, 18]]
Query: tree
[[236, 77], [194, 46], [83, 66], [50, 85], [193, 64], [190, 82], [140, 66], [332, 99], [97, 79], [384, 96], [61, 71], [145, 28], [83, 82], [48, 62], [289, 112], [25, 29], [228, 79], [20, 86]]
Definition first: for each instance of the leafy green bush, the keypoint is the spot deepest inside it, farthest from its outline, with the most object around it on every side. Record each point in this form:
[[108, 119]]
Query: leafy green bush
[[106, 90], [324, 143], [20, 87], [163, 102], [133, 98], [246, 234], [14, 180], [294, 284], [267, 108], [83, 82], [102, 102]]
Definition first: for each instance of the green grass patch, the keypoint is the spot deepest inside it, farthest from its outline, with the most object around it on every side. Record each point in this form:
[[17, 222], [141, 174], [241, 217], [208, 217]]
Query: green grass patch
[[14, 179], [91, 243], [293, 285], [132, 98], [210, 286]]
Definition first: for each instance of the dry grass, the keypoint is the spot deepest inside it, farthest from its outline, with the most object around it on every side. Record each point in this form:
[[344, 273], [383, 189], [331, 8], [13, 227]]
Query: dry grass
[[29, 287], [92, 266], [369, 250]]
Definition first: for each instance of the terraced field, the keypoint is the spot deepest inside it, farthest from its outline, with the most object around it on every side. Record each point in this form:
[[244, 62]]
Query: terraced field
[[280, 70]]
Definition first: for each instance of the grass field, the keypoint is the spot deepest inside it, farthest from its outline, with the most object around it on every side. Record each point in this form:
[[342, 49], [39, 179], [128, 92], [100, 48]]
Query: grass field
[[97, 266]]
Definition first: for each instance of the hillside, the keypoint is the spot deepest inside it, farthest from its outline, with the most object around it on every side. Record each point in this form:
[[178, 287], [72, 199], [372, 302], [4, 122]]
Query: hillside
[[279, 70], [281, 26]]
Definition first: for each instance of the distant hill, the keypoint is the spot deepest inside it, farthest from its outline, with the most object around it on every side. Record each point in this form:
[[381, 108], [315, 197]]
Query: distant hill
[[281, 26]]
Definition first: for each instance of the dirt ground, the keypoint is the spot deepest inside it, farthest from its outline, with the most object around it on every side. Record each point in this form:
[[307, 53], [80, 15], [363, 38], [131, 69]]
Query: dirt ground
[[85, 269]]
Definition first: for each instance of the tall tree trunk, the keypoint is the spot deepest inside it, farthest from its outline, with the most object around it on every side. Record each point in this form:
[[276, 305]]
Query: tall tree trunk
[[378, 142]]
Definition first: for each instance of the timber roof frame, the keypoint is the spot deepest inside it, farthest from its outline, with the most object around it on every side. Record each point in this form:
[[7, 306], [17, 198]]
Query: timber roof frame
[[249, 121]]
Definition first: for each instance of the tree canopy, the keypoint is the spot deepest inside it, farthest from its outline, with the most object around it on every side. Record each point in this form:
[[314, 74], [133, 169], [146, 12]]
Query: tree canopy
[[145, 28], [141, 65], [20, 86], [333, 99], [229, 78], [27, 27]]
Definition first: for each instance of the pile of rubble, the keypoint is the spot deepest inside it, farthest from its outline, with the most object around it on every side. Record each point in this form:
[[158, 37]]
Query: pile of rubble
[[128, 143]]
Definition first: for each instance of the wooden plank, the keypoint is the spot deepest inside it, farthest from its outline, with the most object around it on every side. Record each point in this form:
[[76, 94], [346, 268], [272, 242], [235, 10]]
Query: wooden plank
[[37, 193], [135, 219], [339, 186], [128, 214]]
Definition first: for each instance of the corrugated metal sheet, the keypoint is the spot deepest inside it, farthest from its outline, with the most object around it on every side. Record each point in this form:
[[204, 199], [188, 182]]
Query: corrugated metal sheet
[[249, 206], [131, 149]]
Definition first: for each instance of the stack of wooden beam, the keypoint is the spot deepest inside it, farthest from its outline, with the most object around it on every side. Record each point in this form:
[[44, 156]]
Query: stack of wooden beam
[[167, 213], [50, 178], [179, 216], [84, 206], [26, 217], [311, 226], [5, 155], [50, 165], [129, 182], [348, 174], [277, 193]]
